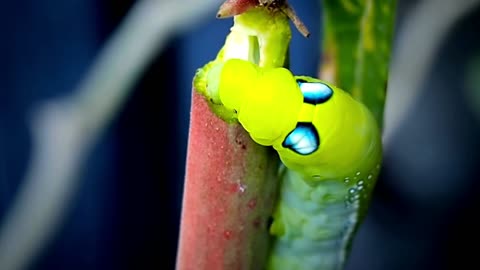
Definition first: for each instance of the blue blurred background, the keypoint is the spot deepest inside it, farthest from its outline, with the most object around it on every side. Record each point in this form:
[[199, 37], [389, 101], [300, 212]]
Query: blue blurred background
[[125, 213]]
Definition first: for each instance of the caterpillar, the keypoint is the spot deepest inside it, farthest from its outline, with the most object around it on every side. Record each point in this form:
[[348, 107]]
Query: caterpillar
[[331, 149]]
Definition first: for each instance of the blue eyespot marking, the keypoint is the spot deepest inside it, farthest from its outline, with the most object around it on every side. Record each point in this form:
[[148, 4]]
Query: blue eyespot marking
[[303, 139], [314, 92]]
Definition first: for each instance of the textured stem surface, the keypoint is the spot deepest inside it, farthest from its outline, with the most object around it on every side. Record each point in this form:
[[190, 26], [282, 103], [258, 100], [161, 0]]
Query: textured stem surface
[[229, 195], [231, 182]]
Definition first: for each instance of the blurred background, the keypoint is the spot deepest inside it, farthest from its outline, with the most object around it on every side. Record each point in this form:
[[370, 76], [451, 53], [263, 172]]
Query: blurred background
[[125, 209]]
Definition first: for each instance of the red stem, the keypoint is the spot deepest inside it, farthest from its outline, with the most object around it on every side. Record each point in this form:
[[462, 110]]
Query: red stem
[[229, 195]]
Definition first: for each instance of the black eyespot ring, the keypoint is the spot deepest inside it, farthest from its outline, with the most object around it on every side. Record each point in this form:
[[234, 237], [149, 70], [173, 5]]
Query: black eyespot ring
[[303, 140], [314, 92]]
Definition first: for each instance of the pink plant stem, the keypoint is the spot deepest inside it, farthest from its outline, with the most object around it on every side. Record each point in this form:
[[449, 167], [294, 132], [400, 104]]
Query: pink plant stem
[[229, 194]]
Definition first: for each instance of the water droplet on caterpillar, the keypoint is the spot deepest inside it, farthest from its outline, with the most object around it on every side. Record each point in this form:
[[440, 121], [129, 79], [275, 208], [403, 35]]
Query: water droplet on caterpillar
[[352, 199], [346, 180], [369, 177], [360, 185]]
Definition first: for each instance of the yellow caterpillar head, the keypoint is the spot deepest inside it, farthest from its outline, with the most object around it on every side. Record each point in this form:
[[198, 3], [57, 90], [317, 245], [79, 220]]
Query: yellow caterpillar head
[[316, 128], [259, 96]]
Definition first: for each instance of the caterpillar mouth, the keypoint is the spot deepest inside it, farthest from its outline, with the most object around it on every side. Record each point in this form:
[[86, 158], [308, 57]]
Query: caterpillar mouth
[[254, 50], [260, 36], [241, 44]]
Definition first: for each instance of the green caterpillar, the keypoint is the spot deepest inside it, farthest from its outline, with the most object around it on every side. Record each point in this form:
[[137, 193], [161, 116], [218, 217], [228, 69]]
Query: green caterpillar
[[330, 145]]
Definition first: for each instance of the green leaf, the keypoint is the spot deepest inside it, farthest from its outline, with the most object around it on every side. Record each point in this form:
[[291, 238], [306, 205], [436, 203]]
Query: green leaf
[[357, 48]]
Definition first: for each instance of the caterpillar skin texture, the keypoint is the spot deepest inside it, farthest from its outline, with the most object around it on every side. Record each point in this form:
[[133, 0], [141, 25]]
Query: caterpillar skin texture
[[331, 147]]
